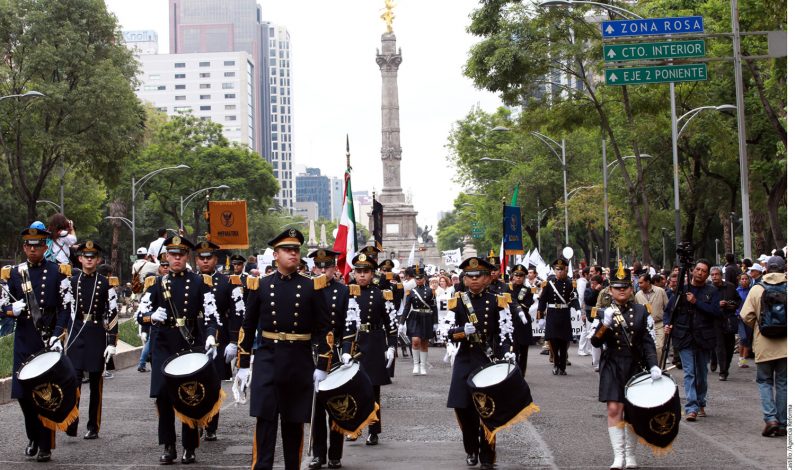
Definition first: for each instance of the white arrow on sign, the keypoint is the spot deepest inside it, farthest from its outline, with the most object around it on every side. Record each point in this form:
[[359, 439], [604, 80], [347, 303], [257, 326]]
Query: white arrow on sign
[[609, 29], [611, 53], [613, 77]]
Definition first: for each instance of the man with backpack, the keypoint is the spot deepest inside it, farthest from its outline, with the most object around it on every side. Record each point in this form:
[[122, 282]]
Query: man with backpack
[[765, 310]]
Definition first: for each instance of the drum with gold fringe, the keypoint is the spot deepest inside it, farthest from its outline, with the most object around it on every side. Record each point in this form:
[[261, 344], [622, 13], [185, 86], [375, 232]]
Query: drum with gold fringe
[[193, 385], [652, 409], [50, 381], [347, 395]]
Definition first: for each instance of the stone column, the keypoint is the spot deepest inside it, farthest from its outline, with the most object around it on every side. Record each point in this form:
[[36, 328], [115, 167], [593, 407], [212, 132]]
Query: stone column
[[388, 60]]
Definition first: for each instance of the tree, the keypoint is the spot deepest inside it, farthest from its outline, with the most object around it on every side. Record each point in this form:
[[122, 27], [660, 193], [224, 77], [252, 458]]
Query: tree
[[90, 118]]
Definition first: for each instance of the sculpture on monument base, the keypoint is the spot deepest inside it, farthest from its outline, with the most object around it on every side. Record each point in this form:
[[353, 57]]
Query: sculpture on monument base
[[425, 234]]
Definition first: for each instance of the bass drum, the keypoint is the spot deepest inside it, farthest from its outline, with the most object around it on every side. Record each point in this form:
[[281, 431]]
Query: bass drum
[[194, 388], [347, 395], [501, 396], [50, 381], [652, 408]]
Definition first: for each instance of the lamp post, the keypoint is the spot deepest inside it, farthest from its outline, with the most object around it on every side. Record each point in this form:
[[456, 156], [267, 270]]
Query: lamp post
[[185, 200], [141, 181], [717, 253], [56, 206], [29, 94], [732, 215], [126, 221], [663, 243]]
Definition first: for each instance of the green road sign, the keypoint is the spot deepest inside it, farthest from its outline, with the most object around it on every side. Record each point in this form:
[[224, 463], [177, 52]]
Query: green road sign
[[661, 74], [653, 50]]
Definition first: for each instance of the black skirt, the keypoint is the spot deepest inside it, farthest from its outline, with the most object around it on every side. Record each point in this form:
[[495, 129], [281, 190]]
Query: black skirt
[[420, 325], [615, 370]]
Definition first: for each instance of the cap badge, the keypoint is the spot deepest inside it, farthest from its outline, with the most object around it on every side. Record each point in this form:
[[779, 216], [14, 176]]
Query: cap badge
[[33, 231], [362, 257], [292, 232], [473, 263], [321, 253], [89, 244], [175, 240], [620, 273]]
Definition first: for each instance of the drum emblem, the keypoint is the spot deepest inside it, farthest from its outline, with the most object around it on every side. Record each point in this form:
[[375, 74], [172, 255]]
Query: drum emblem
[[48, 396], [343, 407], [191, 393], [663, 423], [484, 404]]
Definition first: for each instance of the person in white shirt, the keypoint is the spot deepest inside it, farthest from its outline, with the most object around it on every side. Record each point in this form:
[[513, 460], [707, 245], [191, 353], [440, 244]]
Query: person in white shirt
[[156, 246], [62, 232], [584, 348], [143, 267]]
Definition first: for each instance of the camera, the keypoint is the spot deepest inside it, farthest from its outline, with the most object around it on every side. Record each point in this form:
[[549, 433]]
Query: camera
[[685, 252]]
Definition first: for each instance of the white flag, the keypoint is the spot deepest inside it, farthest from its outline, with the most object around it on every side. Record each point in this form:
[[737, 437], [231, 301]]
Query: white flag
[[410, 261], [535, 259], [452, 257]]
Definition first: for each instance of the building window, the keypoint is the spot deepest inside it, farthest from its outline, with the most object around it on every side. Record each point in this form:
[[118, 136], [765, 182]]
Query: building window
[[205, 118], [204, 64], [150, 87], [229, 63], [229, 74], [229, 96], [179, 98], [230, 118], [230, 107], [179, 65], [204, 86], [204, 108], [163, 109], [181, 109], [154, 77], [204, 75], [228, 86], [179, 87], [179, 75], [161, 87], [204, 97]]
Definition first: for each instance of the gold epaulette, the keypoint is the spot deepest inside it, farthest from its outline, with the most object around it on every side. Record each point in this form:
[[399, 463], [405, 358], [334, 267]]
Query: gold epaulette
[[594, 312], [507, 296], [399, 285], [387, 294], [234, 279], [320, 282], [355, 290], [113, 281], [252, 283], [452, 302], [149, 282], [543, 284], [65, 269], [501, 301], [5, 273], [208, 280], [389, 276]]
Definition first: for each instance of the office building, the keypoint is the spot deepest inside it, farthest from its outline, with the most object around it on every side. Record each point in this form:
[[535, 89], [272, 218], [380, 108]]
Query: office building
[[141, 42], [312, 186]]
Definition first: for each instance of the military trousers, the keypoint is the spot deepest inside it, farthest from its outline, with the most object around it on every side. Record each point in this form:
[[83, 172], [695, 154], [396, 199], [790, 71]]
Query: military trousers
[[375, 428], [265, 444], [474, 438], [166, 432], [95, 382], [322, 429], [559, 352], [36, 432]]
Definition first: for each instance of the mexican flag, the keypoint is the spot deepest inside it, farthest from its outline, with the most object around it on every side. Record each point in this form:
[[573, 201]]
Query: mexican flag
[[345, 242]]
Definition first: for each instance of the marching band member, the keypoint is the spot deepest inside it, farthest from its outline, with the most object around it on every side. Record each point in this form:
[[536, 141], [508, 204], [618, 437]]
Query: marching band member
[[291, 314], [557, 297], [422, 315], [522, 299], [625, 335], [373, 309], [93, 333], [477, 318]]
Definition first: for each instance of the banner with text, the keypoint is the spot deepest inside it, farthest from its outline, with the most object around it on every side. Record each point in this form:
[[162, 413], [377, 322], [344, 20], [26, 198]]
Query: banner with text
[[228, 224], [512, 230], [452, 257]]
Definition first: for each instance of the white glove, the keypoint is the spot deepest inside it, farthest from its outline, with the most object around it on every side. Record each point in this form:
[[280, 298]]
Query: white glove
[[656, 373], [347, 360], [18, 307], [523, 317], [143, 338], [160, 315], [608, 318], [402, 329], [244, 375], [542, 323], [230, 352], [319, 376], [110, 351], [469, 328], [210, 348], [240, 385], [509, 356], [390, 357], [55, 344]]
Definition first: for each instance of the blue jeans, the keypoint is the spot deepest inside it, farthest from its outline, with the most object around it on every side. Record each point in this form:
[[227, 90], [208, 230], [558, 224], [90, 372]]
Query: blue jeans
[[7, 325], [768, 373], [694, 365], [145, 352]]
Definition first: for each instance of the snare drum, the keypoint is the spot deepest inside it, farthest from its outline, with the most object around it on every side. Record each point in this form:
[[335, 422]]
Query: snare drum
[[50, 381], [347, 395], [194, 388], [501, 396], [652, 408]]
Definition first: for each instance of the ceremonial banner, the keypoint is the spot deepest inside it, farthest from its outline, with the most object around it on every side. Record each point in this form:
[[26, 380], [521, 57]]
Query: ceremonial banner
[[228, 224], [452, 257], [345, 242], [512, 230], [378, 223]]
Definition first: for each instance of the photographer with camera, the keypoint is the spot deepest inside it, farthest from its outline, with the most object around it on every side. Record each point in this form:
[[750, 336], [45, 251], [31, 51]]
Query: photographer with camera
[[726, 325]]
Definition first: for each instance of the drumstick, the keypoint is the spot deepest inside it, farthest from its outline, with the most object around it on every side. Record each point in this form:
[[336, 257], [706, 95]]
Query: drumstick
[[647, 378], [8, 292]]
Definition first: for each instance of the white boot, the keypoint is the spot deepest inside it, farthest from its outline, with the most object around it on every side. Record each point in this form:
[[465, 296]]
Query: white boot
[[630, 441], [617, 440], [415, 357], [423, 362]]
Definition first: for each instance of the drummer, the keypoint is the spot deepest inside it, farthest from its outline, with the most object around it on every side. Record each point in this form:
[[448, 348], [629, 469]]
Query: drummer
[[92, 335], [53, 295], [476, 329], [621, 360], [326, 442], [182, 319], [522, 299], [377, 334]]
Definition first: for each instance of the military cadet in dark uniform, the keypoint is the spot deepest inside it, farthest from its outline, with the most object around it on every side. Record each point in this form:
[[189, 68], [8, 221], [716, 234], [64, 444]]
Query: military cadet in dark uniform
[[621, 360], [93, 334], [422, 315], [497, 285], [522, 299], [476, 329], [377, 332], [238, 275], [557, 297], [41, 312], [392, 282], [181, 317], [292, 314], [336, 296]]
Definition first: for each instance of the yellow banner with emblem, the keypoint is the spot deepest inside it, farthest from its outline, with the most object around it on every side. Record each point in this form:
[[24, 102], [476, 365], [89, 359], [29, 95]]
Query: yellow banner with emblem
[[228, 224]]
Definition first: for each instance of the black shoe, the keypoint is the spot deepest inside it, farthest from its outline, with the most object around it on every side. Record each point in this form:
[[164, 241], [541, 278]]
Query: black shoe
[[44, 456], [486, 466], [723, 377], [563, 372], [188, 456], [555, 371], [544, 352], [32, 449], [142, 369], [91, 435], [169, 455], [472, 459], [71, 431], [713, 366], [334, 463], [210, 436], [568, 362], [372, 440], [316, 463]]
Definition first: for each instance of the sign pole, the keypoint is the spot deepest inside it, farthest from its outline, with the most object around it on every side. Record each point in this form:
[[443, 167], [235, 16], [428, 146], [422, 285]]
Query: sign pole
[[738, 89]]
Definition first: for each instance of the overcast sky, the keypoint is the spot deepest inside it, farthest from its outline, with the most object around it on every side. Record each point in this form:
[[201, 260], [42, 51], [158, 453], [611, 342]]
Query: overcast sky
[[337, 85]]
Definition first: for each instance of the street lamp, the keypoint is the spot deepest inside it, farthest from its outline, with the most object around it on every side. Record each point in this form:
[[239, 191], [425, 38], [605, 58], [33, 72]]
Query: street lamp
[[569, 3], [717, 253], [663, 229], [186, 200], [141, 181], [45, 201], [126, 221], [29, 94], [626, 157]]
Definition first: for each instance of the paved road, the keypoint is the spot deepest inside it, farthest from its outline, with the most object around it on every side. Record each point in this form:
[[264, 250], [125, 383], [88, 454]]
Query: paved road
[[569, 432]]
